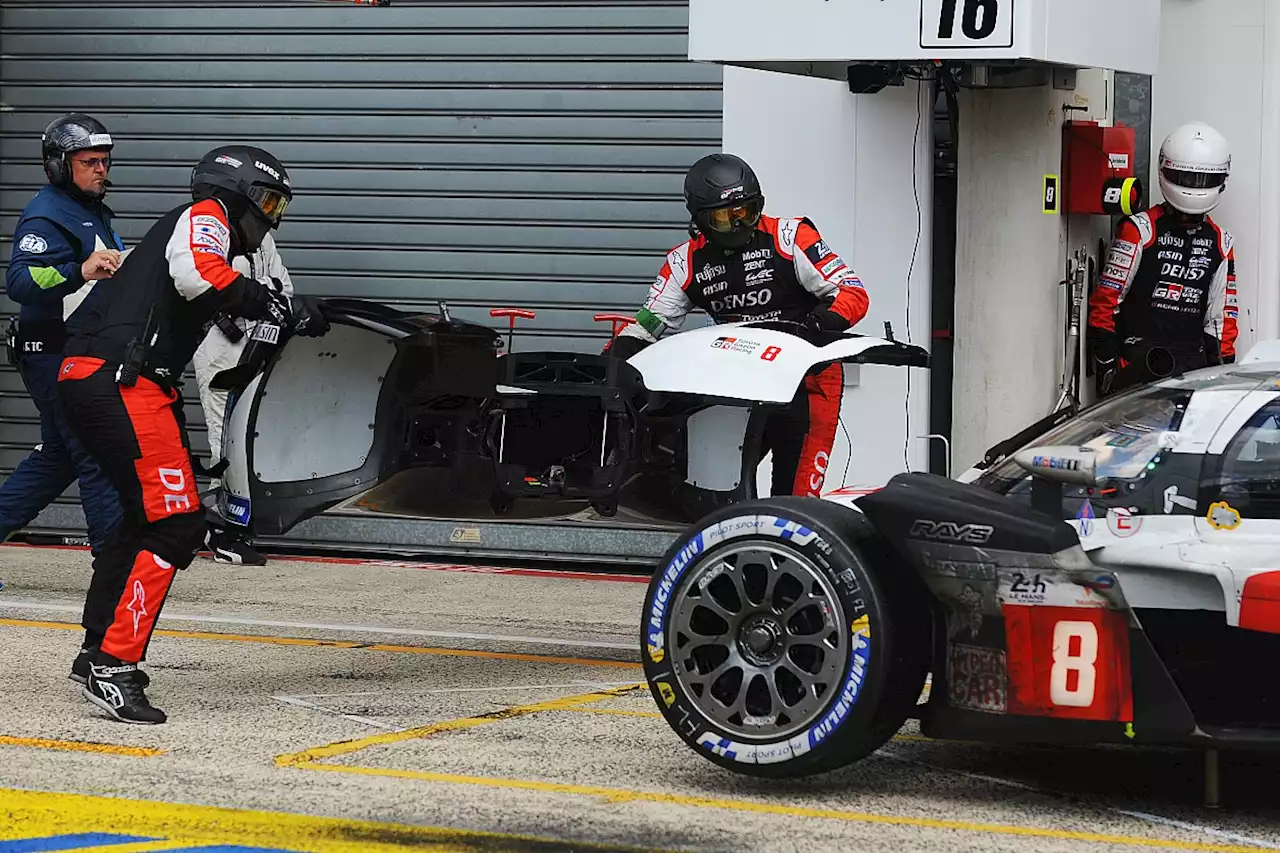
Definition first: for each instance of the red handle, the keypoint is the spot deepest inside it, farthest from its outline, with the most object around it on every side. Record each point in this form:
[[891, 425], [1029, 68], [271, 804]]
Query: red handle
[[620, 322], [512, 313]]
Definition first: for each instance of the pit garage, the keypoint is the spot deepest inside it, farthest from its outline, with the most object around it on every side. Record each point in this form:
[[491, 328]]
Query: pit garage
[[400, 680]]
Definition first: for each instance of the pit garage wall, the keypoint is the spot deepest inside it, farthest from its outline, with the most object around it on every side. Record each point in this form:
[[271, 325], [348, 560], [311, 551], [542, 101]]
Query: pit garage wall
[[848, 163], [528, 154], [1220, 63], [1010, 308]]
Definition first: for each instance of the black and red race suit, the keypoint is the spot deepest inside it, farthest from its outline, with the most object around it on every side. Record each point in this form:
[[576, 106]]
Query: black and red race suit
[[785, 272], [167, 289], [1168, 285]]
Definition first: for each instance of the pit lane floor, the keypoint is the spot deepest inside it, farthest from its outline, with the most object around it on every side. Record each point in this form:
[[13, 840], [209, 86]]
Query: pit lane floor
[[320, 706]]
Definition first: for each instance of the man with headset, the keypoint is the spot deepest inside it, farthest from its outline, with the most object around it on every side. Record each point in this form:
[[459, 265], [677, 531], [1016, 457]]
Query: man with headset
[[63, 244]]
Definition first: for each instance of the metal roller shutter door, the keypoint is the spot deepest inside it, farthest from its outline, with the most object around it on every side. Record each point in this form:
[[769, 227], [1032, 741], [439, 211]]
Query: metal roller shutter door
[[483, 153]]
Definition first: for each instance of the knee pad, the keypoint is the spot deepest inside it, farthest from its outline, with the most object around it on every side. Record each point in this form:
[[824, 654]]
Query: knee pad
[[177, 538]]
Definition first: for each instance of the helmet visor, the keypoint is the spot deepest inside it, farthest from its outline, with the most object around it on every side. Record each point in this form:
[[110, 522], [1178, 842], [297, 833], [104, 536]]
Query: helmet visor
[[1193, 180], [726, 219], [270, 202]]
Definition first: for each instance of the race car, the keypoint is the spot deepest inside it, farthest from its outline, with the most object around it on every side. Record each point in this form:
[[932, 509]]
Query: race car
[[474, 429], [1112, 577]]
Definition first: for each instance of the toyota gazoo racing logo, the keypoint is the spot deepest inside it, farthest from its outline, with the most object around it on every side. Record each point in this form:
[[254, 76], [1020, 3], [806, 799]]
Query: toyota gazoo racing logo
[[1181, 293], [950, 531]]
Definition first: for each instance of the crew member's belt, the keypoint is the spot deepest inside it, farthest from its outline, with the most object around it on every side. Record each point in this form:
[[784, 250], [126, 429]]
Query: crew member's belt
[[41, 337]]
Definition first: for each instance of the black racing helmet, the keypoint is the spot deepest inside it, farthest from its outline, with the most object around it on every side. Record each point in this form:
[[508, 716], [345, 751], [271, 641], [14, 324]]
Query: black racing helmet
[[63, 137], [724, 199], [248, 172]]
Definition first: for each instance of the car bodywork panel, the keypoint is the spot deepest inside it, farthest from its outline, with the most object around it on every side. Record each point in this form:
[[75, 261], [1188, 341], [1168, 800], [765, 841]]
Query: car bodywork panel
[[325, 420]]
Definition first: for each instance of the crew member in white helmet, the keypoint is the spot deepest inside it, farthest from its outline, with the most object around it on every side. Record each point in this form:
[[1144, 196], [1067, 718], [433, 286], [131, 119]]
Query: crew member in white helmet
[[1166, 301]]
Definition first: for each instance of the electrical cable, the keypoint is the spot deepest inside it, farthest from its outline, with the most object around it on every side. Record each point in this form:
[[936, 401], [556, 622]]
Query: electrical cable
[[915, 191]]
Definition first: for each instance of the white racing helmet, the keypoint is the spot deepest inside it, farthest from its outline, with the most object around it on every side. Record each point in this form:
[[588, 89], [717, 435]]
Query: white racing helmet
[[1195, 161]]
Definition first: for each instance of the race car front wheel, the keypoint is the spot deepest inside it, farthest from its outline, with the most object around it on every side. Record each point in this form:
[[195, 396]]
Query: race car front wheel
[[782, 639]]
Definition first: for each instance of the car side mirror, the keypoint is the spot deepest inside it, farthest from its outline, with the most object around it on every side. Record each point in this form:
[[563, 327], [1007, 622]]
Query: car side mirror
[[1053, 467]]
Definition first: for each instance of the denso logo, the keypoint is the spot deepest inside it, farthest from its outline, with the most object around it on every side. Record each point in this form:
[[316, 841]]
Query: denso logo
[[709, 272], [753, 299], [949, 531], [1181, 271]]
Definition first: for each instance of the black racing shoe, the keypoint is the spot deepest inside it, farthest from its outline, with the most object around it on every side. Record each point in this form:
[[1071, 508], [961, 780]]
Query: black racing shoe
[[80, 668], [115, 688], [227, 547]]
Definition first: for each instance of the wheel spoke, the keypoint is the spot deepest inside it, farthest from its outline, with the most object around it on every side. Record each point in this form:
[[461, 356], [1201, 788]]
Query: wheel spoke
[[760, 643]]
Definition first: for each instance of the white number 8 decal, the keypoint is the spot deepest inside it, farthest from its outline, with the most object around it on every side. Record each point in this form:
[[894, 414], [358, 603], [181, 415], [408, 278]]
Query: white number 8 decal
[[1061, 692]]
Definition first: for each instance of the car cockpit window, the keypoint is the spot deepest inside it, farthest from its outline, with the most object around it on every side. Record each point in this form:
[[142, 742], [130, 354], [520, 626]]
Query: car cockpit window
[[1130, 433]]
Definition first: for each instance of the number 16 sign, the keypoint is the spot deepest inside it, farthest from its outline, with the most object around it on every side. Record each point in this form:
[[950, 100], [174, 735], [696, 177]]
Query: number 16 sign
[[966, 23]]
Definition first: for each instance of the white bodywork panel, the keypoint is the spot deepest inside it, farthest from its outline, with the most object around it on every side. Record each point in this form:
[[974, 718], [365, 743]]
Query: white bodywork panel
[[715, 439], [734, 362], [801, 35], [316, 419]]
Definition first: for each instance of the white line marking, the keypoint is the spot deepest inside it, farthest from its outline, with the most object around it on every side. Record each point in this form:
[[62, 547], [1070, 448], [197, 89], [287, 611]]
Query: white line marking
[[1195, 827], [15, 604], [1143, 816], [573, 685], [355, 718]]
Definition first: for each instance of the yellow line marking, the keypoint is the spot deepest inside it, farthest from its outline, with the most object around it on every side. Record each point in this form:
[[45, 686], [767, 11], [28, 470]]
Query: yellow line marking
[[615, 712], [28, 814], [310, 760], [341, 644], [623, 795], [346, 747], [80, 746]]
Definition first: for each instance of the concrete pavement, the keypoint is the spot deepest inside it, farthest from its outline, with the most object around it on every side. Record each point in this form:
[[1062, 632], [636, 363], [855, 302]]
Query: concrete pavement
[[457, 708]]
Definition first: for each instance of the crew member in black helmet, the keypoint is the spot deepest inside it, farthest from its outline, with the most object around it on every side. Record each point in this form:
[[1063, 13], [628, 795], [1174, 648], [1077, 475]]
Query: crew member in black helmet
[[118, 385], [63, 244], [742, 265]]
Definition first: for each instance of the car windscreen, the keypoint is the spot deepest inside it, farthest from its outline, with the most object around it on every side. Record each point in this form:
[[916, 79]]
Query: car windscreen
[[1127, 432]]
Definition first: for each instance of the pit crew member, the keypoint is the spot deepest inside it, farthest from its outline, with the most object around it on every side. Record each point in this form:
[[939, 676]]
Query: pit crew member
[[1166, 301], [118, 383], [220, 350], [742, 265], [63, 241]]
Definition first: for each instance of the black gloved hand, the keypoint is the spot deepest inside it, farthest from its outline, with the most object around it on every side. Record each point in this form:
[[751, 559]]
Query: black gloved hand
[[823, 320], [1105, 348], [625, 346], [308, 317]]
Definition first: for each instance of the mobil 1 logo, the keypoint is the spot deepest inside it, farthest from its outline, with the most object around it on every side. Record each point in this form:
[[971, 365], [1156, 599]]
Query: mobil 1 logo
[[966, 23]]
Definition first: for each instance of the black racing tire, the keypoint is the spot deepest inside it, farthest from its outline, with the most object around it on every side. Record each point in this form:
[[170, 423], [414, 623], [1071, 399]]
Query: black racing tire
[[854, 693]]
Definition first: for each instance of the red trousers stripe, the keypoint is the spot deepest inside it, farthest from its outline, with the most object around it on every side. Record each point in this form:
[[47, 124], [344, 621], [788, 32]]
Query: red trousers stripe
[[824, 391], [135, 617]]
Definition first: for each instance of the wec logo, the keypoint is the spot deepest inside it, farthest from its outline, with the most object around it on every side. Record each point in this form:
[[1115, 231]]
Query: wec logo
[[950, 531]]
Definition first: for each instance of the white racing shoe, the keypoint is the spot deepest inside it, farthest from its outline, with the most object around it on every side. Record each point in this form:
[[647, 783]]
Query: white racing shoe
[[227, 547]]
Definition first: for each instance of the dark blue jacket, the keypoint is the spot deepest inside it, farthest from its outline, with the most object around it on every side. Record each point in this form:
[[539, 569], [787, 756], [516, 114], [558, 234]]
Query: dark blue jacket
[[56, 233]]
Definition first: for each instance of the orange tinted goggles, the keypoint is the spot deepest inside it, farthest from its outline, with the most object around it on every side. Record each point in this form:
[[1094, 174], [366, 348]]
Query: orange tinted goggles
[[270, 202], [727, 218]]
